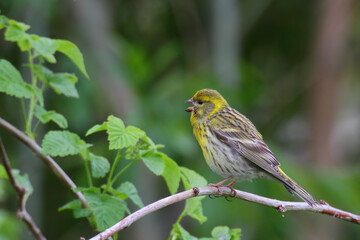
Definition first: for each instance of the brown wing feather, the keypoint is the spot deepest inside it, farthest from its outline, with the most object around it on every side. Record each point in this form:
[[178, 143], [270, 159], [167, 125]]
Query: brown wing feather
[[235, 130]]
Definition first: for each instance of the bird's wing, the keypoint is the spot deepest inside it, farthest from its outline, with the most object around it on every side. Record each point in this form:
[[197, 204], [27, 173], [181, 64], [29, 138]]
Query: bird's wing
[[235, 130]]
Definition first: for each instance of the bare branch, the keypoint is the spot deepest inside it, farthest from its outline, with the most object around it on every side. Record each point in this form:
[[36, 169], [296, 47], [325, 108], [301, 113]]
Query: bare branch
[[280, 206], [21, 191], [59, 172]]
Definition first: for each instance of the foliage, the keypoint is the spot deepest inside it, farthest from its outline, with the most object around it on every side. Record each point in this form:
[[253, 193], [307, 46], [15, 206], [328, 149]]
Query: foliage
[[131, 144], [39, 50], [108, 203], [218, 233]]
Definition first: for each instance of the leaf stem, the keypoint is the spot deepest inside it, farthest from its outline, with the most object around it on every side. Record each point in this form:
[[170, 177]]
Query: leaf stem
[[182, 215], [33, 99], [36, 126], [117, 158], [88, 174], [23, 110], [123, 170]]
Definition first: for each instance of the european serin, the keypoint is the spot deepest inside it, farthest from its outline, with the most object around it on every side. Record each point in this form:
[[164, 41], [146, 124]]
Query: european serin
[[232, 146]]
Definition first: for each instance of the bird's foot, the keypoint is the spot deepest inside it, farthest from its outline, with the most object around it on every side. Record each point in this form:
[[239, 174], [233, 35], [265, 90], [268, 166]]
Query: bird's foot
[[232, 190], [220, 184]]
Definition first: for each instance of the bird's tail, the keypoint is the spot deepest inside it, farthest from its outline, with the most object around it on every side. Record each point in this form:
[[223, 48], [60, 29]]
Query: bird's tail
[[293, 187]]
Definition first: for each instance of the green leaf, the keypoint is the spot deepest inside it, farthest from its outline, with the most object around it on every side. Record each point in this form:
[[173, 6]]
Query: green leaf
[[171, 174], [24, 44], [121, 137], [97, 128], [78, 211], [130, 190], [221, 233], [62, 143], [20, 25], [4, 21], [149, 141], [86, 189], [44, 46], [127, 210], [38, 93], [46, 116], [116, 123], [11, 81], [99, 166], [70, 205], [43, 73], [129, 137], [15, 34], [180, 233], [3, 173], [107, 210], [235, 234], [81, 212], [23, 181], [15, 31], [225, 233], [154, 161], [64, 83], [193, 178], [193, 206], [72, 51], [118, 194]]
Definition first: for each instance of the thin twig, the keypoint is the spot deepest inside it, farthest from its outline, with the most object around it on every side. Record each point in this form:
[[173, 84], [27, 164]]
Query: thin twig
[[59, 172], [280, 206], [21, 191]]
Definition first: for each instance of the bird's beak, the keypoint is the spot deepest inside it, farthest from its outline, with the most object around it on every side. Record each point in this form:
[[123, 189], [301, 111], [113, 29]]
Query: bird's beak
[[191, 100], [190, 109]]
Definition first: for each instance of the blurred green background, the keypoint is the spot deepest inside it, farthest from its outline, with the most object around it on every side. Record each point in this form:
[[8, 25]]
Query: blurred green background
[[292, 67]]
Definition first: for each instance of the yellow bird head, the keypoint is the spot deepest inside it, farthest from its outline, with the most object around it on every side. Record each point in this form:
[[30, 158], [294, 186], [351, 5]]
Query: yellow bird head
[[205, 102]]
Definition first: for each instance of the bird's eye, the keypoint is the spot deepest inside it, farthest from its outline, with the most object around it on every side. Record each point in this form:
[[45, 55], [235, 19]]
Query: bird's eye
[[200, 102]]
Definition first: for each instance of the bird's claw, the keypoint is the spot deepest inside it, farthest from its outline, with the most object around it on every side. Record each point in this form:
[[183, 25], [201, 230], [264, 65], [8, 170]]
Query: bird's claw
[[227, 198], [322, 202], [232, 192], [213, 196], [220, 193]]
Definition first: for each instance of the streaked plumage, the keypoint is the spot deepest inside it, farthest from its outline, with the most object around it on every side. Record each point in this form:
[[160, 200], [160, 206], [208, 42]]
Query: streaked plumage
[[231, 144]]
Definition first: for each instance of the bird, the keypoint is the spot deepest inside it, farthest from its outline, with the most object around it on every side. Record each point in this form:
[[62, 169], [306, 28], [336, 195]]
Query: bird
[[232, 146]]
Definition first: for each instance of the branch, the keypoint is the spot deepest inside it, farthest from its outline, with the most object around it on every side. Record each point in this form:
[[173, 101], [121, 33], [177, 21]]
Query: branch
[[21, 192], [59, 172], [280, 206]]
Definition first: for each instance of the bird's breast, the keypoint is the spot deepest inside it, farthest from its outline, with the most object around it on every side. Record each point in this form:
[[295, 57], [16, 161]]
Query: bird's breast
[[221, 158]]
